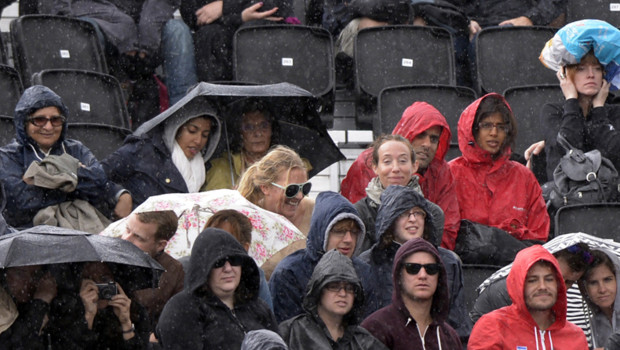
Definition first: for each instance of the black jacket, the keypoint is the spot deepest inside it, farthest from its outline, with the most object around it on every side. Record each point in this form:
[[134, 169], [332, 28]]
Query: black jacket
[[24, 332], [492, 12], [197, 319]]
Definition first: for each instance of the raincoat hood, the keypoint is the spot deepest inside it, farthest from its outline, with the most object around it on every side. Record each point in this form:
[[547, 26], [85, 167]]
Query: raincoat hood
[[441, 300], [419, 117], [515, 282], [467, 143], [329, 209], [334, 267], [33, 99], [263, 339], [212, 245], [396, 200]]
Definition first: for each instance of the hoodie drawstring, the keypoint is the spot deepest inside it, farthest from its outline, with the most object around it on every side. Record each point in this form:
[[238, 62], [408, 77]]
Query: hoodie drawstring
[[422, 335], [542, 339], [36, 153]]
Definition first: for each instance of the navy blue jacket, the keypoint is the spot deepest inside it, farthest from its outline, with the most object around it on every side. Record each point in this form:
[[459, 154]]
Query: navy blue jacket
[[23, 200], [289, 279]]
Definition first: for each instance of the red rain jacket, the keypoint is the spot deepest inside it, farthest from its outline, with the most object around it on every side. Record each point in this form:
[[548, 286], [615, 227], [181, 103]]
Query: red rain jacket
[[437, 182], [512, 327], [500, 193]]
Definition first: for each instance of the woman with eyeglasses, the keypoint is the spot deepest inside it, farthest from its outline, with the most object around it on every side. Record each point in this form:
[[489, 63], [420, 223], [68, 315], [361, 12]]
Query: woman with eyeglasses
[[491, 189], [167, 154], [333, 308], [40, 121], [219, 303], [600, 284]]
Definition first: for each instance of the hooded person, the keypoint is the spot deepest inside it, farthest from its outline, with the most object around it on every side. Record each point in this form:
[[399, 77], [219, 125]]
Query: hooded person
[[289, 279], [263, 339], [537, 317], [491, 189], [397, 201], [168, 153], [40, 121], [420, 124], [219, 303], [416, 318], [311, 330]]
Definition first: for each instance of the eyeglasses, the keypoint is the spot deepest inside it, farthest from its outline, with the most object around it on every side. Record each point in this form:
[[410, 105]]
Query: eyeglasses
[[587, 257], [291, 190], [488, 126], [235, 260], [414, 269], [341, 233], [264, 125], [336, 287], [417, 214], [41, 121]]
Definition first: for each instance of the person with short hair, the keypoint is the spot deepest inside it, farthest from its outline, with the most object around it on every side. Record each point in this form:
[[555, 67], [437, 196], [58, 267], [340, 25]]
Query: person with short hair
[[537, 316]]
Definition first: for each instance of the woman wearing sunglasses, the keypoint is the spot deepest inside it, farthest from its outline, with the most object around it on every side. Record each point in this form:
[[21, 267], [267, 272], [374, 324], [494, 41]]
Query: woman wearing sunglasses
[[219, 303], [416, 318], [40, 121]]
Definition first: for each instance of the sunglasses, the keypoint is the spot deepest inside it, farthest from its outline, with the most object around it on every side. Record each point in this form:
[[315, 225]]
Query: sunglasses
[[41, 121], [235, 260], [336, 287], [291, 190], [414, 269]]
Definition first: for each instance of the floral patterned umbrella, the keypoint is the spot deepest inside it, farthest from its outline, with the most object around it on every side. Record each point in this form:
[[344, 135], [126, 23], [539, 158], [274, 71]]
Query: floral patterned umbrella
[[271, 232]]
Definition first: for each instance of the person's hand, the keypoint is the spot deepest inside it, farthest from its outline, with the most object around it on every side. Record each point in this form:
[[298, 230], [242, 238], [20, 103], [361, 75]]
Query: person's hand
[[599, 99], [123, 206], [90, 296], [474, 28], [519, 21], [251, 13], [46, 288], [568, 87], [209, 13], [534, 149], [121, 305]]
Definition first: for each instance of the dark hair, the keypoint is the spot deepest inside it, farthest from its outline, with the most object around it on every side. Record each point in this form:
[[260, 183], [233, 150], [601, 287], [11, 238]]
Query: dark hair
[[242, 227], [599, 258], [166, 221], [576, 256], [249, 106], [496, 104], [386, 138]]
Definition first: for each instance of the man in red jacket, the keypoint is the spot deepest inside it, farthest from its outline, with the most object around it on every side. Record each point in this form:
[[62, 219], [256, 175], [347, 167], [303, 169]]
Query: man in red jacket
[[537, 317], [428, 131]]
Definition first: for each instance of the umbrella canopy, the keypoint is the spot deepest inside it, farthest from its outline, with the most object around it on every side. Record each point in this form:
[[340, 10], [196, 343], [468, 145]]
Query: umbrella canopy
[[270, 232], [45, 245], [293, 108]]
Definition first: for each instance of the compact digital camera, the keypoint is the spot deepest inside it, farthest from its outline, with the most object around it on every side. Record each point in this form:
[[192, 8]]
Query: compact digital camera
[[107, 290]]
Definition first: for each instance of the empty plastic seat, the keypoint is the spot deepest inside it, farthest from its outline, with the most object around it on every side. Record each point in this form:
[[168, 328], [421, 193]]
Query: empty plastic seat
[[526, 103], [101, 139], [54, 42], [299, 55], [598, 219], [11, 87], [605, 10], [508, 56], [7, 129], [90, 96]]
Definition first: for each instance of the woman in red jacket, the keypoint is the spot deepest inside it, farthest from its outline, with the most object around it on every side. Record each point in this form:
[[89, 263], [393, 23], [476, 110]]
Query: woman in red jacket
[[491, 189]]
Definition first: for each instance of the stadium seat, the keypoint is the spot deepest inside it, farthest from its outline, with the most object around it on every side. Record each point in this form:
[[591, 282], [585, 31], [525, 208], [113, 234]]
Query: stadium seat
[[11, 87], [7, 129], [101, 139], [527, 103], [597, 219], [508, 56], [605, 10], [90, 96], [473, 276], [54, 42], [299, 55]]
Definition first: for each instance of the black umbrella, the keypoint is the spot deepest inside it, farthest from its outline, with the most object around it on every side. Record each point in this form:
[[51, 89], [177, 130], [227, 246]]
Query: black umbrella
[[46, 245], [293, 108]]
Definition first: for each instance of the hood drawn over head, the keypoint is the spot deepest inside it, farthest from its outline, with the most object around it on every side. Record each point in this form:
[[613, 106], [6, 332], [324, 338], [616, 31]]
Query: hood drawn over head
[[441, 300], [334, 267], [515, 282], [33, 99], [211, 245], [263, 339], [330, 208], [396, 200], [467, 142], [419, 117]]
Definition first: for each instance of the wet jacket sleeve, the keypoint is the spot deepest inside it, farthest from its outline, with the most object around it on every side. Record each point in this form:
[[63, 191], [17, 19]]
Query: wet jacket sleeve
[[286, 294], [353, 186], [24, 332], [92, 180], [487, 334], [154, 14], [118, 166], [457, 318], [493, 297], [445, 197], [601, 131]]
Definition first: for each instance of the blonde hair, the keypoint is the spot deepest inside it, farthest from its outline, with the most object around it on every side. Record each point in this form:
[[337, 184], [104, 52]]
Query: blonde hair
[[267, 170]]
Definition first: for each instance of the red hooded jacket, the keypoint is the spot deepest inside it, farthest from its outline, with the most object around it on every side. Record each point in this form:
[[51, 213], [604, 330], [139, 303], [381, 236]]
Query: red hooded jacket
[[436, 182], [500, 192], [512, 327]]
